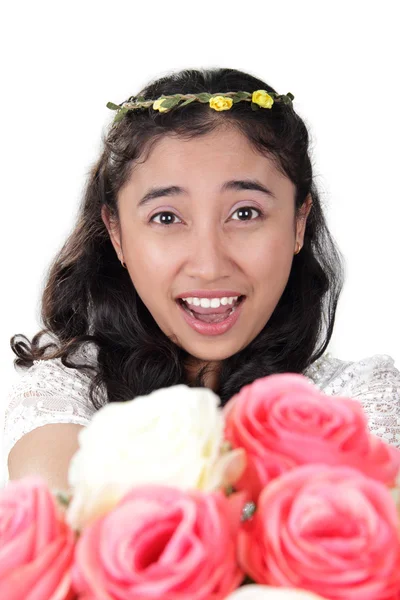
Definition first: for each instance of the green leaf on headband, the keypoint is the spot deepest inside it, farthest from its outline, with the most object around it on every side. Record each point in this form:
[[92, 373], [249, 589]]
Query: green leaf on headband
[[240, 96], [140, 99], [120, 115], [112, 106], [290, 95], [204, 97], [254, 106], [169, 103], [188, 101]]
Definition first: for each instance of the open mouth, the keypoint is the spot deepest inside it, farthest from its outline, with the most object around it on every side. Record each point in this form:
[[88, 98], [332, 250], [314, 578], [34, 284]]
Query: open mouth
[[210, 314]]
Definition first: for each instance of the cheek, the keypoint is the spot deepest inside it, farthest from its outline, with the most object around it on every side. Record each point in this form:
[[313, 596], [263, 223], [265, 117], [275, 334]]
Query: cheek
[[151, 268], [268, 259]]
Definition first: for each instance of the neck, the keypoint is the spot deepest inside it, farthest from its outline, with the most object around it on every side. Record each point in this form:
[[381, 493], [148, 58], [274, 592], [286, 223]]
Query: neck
[[210, 379]]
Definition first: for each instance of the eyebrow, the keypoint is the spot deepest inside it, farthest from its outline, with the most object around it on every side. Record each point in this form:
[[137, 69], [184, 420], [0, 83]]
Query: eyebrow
[[233, 185]]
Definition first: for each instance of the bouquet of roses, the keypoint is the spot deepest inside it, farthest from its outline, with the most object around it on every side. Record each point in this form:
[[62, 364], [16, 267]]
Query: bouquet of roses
[[282, 494]]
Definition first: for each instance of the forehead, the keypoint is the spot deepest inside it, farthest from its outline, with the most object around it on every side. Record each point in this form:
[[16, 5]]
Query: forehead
[[225, 153]]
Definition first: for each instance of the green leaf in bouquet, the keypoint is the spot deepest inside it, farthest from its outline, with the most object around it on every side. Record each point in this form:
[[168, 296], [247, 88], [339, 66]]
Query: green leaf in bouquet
[[248, 511], [63, 498], [226, 446], [247, 581]]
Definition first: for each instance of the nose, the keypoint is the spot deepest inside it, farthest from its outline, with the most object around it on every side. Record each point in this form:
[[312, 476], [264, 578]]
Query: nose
[[208, 256]]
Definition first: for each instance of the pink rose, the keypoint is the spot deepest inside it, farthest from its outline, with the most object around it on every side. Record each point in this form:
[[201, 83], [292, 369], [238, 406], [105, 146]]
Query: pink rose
[[330, 530], [36, 546], [283, 421], [161, 542]]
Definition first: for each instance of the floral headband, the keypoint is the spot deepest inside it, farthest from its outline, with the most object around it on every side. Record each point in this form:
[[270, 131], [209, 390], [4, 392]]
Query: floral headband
[[224, 101]]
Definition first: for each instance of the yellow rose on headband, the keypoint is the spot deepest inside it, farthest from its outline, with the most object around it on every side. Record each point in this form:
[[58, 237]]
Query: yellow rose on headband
[[262, 98], [221, 103], [157, 105]]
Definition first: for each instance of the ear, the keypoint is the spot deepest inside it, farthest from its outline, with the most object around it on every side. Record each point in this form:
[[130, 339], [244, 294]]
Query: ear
[[301, 220], [113, 231]]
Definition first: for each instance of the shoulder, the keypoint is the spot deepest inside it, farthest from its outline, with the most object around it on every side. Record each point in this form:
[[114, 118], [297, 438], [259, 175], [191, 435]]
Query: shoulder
[[51, 378], [370, 374], [47, 393], [374, 381]]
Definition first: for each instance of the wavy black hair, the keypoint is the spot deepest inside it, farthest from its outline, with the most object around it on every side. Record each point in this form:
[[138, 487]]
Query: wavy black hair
[[89, 297]]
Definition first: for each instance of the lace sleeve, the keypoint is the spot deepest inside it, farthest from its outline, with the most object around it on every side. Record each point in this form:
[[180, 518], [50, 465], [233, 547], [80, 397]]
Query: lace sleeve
[[374, 382], [47, 393]]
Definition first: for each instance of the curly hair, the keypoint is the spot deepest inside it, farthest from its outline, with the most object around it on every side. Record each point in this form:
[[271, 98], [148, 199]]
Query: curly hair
[[89, 298]]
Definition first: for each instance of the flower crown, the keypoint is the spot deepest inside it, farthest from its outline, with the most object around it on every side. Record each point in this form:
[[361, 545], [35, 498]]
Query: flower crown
[[223, 101]]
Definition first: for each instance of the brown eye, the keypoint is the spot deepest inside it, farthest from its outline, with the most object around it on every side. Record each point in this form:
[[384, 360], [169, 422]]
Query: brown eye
[[166, 218], [246, 213]]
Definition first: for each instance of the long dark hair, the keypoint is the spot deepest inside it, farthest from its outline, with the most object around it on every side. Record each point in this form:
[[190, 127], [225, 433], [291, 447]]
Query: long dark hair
[[89, 297]]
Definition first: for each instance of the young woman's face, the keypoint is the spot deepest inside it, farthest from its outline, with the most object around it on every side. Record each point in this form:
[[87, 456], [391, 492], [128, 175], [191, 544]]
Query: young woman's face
[[196, 224]]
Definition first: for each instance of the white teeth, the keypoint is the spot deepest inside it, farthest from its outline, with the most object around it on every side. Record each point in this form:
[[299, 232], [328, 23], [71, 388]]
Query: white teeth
[[211, 302]]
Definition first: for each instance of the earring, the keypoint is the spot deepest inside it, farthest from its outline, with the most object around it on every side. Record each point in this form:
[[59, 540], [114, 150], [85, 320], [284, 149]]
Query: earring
[[122, 262], [298, 250]]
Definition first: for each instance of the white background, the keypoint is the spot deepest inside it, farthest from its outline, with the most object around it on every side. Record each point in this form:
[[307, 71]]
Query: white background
[[61, 64]]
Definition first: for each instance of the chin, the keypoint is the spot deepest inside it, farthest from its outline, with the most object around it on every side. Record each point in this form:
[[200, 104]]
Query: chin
[[216, 353]]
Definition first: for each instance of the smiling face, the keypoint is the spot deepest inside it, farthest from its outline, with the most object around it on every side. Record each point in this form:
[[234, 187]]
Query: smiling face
[[208, 237]]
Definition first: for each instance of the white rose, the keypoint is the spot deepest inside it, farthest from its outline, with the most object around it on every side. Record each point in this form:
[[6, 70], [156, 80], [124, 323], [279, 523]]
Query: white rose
[[266, 592], [173, 436]]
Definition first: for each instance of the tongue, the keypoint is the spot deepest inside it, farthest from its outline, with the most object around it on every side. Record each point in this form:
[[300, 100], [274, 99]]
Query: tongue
[[212, 317]]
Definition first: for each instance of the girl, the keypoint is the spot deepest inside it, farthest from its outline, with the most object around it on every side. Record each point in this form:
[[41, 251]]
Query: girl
[[202, 256]]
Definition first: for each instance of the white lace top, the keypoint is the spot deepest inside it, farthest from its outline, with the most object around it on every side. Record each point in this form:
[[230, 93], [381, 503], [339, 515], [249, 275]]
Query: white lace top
[[49, 392]]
